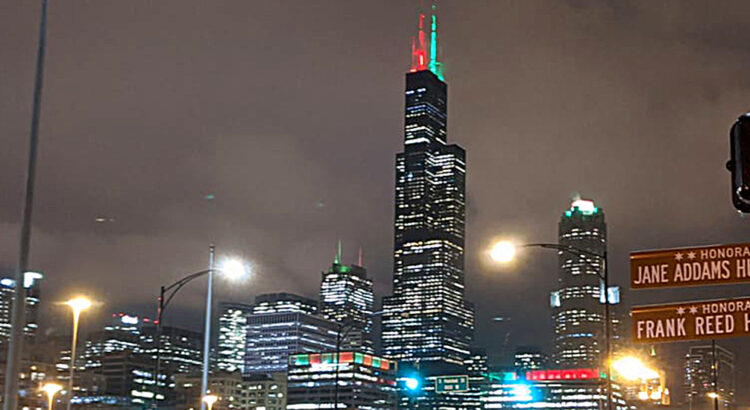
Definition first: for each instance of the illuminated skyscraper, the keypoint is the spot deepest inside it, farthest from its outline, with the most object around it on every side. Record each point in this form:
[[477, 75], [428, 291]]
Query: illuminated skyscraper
[[700, 380], [232, 336], [282, 324], [346, 298], [427, 318], [577, 304], [32, 283]]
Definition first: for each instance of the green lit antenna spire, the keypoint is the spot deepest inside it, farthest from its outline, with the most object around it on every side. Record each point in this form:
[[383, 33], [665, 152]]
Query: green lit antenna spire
[[435, 65], [337, 258]]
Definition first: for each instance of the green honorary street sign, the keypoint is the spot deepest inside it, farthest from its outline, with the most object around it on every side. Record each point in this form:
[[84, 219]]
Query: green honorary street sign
[[452, 384]]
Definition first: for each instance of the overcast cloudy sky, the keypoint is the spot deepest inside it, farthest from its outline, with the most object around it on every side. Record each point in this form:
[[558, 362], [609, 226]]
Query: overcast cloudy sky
[[290, 113]]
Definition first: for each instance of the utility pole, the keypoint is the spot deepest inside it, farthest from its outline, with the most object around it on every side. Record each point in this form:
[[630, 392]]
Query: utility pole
[[18, 319], [714, 369]]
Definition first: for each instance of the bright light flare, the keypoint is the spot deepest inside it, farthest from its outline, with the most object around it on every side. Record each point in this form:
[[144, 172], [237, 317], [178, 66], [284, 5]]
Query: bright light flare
[[632, 368], [51, 388], [503, 251], [79, 304], [234, 268], [713, 395], [210, 399], [411, 383]]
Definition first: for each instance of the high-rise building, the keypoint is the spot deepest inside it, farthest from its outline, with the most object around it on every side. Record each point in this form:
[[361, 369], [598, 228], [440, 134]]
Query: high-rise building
[[364, 381], [181, 350], [258, 391], [530, 358], [32, 283], [121, 333], [578, 310], [427, 319], [347, 298], [700, 379], [283, 324], [232, 336]]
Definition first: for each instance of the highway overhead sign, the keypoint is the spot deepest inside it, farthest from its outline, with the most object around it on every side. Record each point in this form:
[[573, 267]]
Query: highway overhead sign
[[677, 322], [452, 384], [708, 265]]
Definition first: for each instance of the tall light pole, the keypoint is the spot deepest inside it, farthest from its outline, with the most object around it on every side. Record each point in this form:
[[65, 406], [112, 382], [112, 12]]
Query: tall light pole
[[50, 389], [233, 268], [207, 327], [77, 305], [209, 400], [18, 320], [505, 252]]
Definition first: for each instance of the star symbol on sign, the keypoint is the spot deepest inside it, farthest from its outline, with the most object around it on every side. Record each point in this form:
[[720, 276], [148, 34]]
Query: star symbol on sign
[[693, 310], [691, 255], [680, 311], [678, 256]]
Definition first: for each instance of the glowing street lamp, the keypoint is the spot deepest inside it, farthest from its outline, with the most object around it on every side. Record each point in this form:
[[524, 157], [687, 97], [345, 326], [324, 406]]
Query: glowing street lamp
[[503, 252], [713, 395], [412, 383], [78, 305], [51, 389], [633, 368], [210, 399], [231, 268]]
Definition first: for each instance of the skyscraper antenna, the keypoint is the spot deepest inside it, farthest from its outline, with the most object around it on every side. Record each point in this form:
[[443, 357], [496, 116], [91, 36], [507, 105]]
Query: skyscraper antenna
[[337, 259], [359, 260]]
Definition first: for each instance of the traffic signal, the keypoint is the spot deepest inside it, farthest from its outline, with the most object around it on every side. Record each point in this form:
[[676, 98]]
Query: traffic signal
[[739, 163]]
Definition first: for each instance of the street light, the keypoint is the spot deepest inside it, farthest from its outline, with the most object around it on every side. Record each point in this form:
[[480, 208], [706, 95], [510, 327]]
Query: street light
[[232, 268], [209, 400], [505, 251], [51, 389], [77, 305]]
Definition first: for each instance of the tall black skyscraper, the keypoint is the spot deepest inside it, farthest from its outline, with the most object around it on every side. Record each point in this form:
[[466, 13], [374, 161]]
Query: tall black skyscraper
[[427, 319], [578, 311]]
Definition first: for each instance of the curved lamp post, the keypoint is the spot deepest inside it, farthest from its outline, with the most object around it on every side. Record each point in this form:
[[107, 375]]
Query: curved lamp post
[[505, 252], [77, 305], [233, 268]]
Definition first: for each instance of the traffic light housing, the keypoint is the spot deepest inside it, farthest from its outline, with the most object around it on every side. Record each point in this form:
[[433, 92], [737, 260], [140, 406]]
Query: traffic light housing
[[739, 163]]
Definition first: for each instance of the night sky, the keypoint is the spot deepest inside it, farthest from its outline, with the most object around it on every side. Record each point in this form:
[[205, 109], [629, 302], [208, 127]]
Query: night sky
[[289, 115]]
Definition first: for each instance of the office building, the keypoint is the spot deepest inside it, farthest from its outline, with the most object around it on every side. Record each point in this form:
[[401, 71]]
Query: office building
[[577, 304], [365, 381], [282, 324], [530, 358], [427, 319], [260, 391], [122, 333], [232, 336], [709, 369], [551, 389], [347, 298], [32, 284]]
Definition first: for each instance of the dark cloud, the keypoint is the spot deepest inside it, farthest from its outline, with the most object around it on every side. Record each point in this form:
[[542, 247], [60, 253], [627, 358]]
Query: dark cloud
[[290, 114]]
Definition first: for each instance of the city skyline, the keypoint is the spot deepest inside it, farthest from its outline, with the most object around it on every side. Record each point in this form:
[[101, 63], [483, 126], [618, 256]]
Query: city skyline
[[166, 185]]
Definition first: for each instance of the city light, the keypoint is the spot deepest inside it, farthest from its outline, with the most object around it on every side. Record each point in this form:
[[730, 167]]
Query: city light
[[234, 268], [411, 383], [51, 389], [503, 251], [521, 392], [210, 400], [632, 368], [78, 305], [713, 395]]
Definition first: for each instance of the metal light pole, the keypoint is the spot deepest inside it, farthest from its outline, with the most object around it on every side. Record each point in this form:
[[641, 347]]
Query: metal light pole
[[714, 365], [77, 305], [207, 332], [18, 320], [506, 254]]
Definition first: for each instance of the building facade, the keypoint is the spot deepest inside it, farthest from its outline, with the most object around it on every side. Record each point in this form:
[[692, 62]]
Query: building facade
[[283, 324], [530, 358], [700, 380], [578, 311], [230, 354], [364, 381], [347, 299], [32, 284], [427, 319], [261, 391]]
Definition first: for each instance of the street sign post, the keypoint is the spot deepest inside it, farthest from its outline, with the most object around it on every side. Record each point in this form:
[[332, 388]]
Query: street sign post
[[708, 265], [452, 384], [686, 321]]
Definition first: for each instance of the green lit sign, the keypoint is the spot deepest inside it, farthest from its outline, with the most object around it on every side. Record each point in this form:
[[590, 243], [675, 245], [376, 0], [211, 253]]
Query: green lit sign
[[451, 384]]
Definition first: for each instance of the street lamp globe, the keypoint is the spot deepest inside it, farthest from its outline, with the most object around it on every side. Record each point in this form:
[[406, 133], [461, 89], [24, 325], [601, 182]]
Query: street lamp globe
[[233, 268], [78, 304], [210, 399], [503, 251]]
